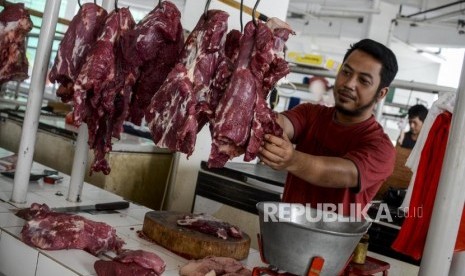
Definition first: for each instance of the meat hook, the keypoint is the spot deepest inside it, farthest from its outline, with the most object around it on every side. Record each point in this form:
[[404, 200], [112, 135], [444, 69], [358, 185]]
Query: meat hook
[[206, 9], [253, 12], [79, 3], [159, 2], [240, 16], [116, 5]]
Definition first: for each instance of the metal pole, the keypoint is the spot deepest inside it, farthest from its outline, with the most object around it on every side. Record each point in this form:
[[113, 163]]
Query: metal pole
[[458, 264], [34, 101], [401, 84], [450, 197], [79, 165], [379, 110]]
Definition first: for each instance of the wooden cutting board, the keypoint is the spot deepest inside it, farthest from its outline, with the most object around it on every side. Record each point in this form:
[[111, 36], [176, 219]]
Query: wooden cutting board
[[161, 226]]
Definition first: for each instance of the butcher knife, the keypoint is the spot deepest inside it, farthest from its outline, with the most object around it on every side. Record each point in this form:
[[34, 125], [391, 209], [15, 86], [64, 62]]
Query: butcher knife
[[109, 206]]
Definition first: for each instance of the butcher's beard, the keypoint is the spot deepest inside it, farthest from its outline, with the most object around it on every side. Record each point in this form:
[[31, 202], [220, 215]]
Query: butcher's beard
[[357, 112]]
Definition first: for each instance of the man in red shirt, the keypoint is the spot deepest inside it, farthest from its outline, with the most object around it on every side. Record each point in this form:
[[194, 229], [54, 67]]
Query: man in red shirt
[[342, 155]]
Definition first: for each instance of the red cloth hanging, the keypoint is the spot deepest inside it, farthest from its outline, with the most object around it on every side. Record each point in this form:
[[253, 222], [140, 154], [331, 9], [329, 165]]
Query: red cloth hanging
[[412, 236]]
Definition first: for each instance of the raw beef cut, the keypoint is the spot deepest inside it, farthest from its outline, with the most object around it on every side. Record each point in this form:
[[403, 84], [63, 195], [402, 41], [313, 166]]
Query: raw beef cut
[[231, 128], [53, 231], [74, 47], [112, 268], [153, 46], [214, 266], [105, 79], [211, 226], [227, 58], [35, 211], [143, 258], [175, 124], [268, 66], [260, 65], [15, 23], [131, 262], [174, 105]]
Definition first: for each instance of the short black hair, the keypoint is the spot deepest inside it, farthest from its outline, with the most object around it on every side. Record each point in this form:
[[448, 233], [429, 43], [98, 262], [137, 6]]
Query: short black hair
[[419, 111], [381, 53]]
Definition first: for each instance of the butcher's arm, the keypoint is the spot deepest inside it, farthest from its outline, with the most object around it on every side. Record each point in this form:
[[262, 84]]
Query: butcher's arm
[[286, 125], [325, 171]]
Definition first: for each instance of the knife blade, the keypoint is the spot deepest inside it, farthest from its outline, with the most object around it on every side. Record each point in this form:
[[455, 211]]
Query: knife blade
[[109, 206]]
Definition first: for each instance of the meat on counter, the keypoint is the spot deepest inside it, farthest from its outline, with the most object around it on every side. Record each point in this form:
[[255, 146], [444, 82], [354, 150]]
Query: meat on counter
[[50, 230], [214, 266], [211, 226], [15, 24], [131, 263]]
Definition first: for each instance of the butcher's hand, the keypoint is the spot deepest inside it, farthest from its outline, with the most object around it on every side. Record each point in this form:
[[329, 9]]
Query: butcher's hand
[[277, 152]]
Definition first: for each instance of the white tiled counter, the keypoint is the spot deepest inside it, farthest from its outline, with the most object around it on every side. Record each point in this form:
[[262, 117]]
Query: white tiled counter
[[19, 259]]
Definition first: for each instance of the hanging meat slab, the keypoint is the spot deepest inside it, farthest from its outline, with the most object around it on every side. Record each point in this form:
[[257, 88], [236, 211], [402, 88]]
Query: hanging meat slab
[[174, 105], [104, 79], [227, 57], [15, 24], [153, 46], [231, 129], [268, 66], [81, 34], [260, 65]]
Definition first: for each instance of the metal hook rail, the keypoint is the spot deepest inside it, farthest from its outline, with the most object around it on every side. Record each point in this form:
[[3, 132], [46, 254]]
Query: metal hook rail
[[240, 15], [207, 5], [254, 11], [246, 9], [80, 5]]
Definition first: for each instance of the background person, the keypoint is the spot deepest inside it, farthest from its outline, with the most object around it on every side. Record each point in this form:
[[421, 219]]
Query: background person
[[416, 117]]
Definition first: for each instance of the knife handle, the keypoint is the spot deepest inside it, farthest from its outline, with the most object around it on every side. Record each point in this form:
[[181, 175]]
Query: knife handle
[[117, 205]]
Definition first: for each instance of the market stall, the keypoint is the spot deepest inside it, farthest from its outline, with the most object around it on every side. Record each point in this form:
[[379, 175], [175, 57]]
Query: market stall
[[179, 84]]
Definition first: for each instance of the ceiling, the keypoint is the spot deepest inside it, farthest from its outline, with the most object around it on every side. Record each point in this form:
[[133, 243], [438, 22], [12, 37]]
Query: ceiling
[[415, 22]]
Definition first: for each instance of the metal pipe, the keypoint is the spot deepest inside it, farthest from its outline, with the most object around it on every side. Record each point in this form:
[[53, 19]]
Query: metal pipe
[[34, 102], [379, 110], [458, 264], [402, 84], [450, 197], [350, 10], [434, 9], [79, 165], [443, 16], [169, 189]]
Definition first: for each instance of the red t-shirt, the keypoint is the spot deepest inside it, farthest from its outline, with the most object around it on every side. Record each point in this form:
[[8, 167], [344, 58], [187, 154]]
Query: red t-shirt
[[316, 132]]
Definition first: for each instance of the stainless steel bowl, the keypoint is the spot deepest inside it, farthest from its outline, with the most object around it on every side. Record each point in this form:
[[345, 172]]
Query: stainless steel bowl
[[291, 242]]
